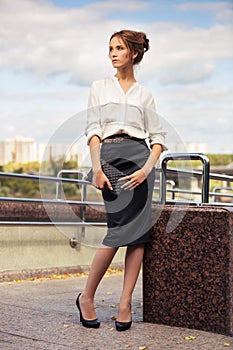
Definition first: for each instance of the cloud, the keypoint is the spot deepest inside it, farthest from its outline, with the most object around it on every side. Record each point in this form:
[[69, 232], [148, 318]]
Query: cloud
[[48, 47], [40, 37], [196, 73], [222, 10], [44, 39], [185, 55]]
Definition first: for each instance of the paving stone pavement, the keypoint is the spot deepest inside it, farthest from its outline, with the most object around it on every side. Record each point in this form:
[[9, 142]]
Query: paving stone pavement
[[42, 315]]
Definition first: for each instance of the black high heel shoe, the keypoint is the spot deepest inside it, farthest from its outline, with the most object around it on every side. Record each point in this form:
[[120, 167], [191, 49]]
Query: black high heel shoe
[[122, 326], [87, 323]]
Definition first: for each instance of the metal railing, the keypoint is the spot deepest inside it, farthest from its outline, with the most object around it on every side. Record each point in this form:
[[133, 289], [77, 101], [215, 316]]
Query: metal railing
[[186, 156], [62, 172], [160, 186], [217, 194], [213, 194]]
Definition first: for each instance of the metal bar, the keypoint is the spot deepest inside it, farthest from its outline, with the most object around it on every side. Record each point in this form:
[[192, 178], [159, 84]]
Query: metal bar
[[194, 173], [181, 172], [177, 190], [56, 223], [186, 156], [218, 204], [52, 201], [59, 176], [192, 203], [83, 209], [84, 202], [42, 178], [199, 193], [219, 188]]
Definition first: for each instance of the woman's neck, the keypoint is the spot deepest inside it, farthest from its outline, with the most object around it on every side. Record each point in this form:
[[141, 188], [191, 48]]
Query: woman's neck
[[125, 75]]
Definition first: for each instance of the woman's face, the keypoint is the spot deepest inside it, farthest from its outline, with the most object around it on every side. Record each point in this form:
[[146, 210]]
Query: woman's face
[[119, 53]]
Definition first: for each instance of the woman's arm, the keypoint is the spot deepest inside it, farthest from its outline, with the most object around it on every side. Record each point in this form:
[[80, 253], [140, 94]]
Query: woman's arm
[[99, 178], [153, 158]]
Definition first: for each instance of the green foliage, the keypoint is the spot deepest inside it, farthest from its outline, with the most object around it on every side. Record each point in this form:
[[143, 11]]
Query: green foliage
[[12, 187], [220, 159], [214, 183], [215, 159]]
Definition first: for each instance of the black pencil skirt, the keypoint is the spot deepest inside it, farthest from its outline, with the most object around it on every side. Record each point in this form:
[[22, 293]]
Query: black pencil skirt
[[128, 214]]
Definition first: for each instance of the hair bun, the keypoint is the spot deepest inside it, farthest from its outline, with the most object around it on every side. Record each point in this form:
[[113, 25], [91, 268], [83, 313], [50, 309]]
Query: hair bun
[[146, 44], [144, 40]]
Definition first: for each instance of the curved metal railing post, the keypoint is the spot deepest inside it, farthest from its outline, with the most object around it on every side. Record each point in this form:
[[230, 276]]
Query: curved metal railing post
[[186, 156], [206, 178], [83, 197], [217, 189], [60, 176]]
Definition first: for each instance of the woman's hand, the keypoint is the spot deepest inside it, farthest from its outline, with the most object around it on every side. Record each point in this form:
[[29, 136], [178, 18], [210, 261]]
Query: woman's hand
[[140, 175], [134, 180], [100, 179]]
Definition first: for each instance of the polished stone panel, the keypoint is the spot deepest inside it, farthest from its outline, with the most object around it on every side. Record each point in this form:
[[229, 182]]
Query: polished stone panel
[[188, 270], [49, 211], [36, 211]]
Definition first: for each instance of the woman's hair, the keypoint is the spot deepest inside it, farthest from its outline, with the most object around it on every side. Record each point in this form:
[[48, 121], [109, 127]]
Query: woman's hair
[[135, 41]]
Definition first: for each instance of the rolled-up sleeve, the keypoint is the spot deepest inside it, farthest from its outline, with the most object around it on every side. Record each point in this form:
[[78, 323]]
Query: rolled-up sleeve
[[93, 126], [153, 125]]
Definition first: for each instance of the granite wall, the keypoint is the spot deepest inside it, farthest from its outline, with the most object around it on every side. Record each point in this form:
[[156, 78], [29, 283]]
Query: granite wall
[[40, 211], [188, 271]]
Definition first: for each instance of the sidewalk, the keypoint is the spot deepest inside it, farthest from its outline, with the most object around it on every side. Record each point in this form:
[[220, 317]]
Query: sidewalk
[[42, 315]]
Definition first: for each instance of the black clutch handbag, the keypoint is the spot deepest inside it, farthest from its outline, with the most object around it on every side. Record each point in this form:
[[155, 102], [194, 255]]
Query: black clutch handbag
[[113, 174]]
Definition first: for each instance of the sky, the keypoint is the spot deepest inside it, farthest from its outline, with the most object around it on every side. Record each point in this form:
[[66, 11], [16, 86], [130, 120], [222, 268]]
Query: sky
[[52, 50]]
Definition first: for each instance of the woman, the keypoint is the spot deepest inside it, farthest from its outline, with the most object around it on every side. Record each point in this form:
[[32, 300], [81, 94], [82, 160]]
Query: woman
[[121, 116]]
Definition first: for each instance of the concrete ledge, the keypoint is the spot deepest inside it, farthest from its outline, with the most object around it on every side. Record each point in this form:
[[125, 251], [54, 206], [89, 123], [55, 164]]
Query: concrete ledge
[[42, 248], [30, 274], [188, 272]]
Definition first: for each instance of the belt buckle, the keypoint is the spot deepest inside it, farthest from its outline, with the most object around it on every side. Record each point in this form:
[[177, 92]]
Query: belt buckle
[[118, 139]]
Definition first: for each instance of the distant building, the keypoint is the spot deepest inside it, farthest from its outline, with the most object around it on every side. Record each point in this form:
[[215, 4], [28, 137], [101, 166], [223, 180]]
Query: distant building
[[18, 149], [23, 150]]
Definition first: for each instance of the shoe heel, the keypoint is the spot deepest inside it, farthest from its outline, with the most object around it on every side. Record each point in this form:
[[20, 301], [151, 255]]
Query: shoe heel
[[79, 309], [122, 326], [86, 323]]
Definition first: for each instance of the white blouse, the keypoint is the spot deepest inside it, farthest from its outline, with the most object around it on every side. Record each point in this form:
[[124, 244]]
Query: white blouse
[[112, 111]]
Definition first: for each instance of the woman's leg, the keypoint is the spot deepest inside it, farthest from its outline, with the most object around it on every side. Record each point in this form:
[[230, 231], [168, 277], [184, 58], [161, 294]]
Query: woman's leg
[[133, 260], [100, 264]]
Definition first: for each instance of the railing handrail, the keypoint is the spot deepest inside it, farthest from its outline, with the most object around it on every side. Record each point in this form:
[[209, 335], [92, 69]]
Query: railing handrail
[[41, 178], [53, 201], [186, 156], [218, 188], [182, 172], [70, 172], [164, 170], [199, 174]]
